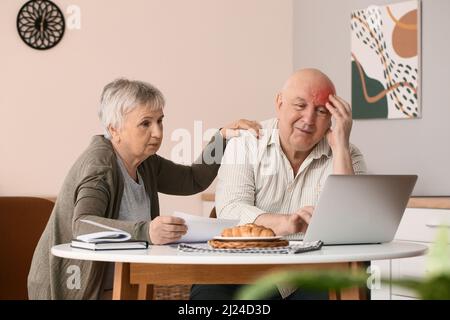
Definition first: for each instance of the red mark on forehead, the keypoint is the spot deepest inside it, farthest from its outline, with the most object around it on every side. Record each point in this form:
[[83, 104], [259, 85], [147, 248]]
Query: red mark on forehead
[[320, 96]]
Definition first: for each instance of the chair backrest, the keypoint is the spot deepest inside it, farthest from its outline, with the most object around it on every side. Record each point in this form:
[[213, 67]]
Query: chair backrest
[[22, 221]]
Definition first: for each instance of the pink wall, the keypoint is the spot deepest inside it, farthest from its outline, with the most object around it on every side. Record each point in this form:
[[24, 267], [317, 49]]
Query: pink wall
[[215, 60]]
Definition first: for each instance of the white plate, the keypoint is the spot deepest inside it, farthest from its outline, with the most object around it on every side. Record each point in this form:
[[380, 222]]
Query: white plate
[[246, 238]]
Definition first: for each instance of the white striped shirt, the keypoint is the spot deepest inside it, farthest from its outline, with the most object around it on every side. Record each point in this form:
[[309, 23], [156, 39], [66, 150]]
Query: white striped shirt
[[256, 177]]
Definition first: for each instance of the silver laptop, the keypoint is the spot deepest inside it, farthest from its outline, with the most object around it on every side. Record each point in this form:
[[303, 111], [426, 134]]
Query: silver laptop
[[360, 209]]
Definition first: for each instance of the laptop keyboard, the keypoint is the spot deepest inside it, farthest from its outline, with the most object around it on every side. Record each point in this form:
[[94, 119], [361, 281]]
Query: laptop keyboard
[[295, 236]]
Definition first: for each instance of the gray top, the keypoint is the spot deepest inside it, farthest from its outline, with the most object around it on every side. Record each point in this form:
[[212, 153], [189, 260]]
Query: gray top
[[134, 206]]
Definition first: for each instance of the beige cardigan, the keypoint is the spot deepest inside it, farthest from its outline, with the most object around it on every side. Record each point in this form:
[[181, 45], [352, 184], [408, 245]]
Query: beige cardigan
[[93, 190]]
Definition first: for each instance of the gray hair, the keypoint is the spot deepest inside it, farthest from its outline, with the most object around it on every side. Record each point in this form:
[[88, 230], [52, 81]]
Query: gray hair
[[122, 96]]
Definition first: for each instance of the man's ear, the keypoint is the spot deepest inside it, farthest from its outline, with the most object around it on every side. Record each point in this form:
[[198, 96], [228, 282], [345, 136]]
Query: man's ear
[[278, 102]]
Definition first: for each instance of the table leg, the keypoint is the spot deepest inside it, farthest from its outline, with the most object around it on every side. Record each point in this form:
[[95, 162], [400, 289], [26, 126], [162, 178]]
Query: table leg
[[145, 292], [354, 293], [123, 289], [334, 295]]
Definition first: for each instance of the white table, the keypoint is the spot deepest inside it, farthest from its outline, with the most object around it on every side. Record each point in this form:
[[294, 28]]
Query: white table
[[136, 271]]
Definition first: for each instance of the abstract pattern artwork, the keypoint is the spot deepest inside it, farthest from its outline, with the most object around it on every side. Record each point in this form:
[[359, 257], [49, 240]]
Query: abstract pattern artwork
[[385, 61]]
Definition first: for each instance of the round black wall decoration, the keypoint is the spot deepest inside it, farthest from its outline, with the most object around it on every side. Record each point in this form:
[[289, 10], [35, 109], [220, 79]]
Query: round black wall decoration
[[40, 24]]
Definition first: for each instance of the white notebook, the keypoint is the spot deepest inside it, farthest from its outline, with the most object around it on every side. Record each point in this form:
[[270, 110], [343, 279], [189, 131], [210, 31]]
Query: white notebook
[[113, 235], [110, 236], [114, 239]]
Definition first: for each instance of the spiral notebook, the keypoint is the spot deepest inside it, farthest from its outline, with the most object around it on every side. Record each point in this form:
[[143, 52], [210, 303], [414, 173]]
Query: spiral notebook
[[114, 239], [291, 249]]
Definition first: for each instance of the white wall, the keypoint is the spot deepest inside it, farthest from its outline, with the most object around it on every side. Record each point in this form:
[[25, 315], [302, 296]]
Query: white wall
[[422, 146], [215, 60]]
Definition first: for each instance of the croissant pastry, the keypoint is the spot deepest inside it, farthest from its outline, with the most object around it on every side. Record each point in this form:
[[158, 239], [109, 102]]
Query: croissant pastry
[[248, 230]]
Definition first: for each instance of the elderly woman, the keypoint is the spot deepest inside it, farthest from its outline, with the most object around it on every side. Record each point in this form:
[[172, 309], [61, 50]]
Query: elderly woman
[[116, 182]]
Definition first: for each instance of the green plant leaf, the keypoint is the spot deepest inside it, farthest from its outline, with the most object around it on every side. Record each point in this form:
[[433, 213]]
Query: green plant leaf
[[309, 280], [434, 288], [438, 261]]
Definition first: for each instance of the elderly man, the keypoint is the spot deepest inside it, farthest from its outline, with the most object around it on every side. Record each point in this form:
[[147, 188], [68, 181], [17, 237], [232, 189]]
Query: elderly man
[[276, 181]]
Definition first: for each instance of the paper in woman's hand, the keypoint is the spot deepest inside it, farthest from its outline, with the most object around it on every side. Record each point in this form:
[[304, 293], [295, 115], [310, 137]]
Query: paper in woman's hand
[[201, 229]]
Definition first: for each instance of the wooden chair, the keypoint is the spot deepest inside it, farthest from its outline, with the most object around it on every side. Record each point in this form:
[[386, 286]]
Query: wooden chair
[[213, 213], [22, 221]]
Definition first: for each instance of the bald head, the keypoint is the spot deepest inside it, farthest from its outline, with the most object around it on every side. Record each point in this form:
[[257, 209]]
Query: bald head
[[311, 81]]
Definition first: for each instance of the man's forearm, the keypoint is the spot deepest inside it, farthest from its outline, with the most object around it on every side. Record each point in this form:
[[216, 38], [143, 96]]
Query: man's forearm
[[342, 162]]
